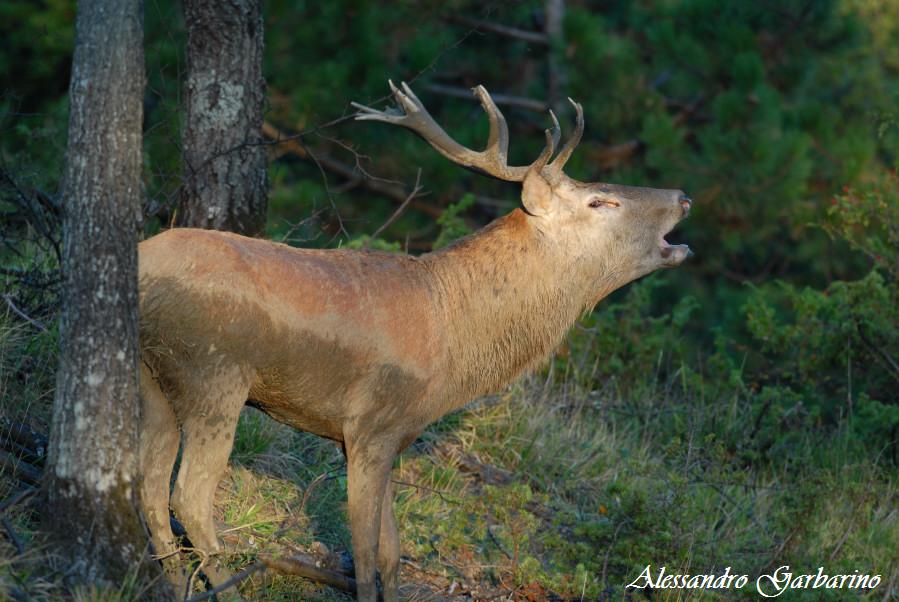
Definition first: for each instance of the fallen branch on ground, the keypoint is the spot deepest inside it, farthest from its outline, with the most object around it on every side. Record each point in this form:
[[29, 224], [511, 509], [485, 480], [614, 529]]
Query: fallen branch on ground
[[13, 536], [303, 567], [233, 581], [15, 499], [22, 314], [24, 435], [21, 469]]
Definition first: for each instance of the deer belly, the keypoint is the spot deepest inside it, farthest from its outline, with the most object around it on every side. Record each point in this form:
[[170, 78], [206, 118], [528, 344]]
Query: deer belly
[[321, 386]]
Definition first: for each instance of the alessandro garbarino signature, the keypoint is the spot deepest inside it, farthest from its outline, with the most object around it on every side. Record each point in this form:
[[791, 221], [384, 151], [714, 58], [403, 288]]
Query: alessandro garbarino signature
[[768, 585]]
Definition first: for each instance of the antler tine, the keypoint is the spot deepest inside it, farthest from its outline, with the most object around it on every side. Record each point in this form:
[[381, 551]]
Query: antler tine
[[498, 138], [556, 129], [393, 116], [559, 162], [553, 135]]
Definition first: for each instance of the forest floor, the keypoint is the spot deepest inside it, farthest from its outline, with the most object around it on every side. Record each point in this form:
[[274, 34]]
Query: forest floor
[[547, 491]]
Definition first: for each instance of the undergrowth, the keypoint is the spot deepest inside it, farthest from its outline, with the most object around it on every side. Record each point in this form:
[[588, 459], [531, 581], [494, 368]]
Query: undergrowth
[[638, 444], [555, 489]]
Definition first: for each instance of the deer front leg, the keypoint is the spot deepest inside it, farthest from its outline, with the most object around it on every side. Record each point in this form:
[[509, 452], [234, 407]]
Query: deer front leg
[[368, 469], [389, 546]]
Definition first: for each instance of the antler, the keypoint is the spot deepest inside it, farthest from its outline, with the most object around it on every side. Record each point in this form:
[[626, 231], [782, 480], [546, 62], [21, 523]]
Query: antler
[[493, 160]]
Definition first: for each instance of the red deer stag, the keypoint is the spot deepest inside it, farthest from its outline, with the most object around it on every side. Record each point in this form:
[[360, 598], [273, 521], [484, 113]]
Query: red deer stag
[[369, 348]]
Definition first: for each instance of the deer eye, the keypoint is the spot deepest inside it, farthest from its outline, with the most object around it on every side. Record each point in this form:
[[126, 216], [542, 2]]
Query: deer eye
[[601, 202]]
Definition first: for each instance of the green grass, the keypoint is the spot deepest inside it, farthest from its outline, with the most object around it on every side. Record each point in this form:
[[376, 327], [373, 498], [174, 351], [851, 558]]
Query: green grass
[[550, 489]]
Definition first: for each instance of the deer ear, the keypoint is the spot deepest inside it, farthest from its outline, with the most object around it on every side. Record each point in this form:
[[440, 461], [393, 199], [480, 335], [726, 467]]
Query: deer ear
[[536, 194]]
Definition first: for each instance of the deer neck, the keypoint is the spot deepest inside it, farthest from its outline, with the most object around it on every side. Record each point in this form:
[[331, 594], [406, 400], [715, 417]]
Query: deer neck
[[508, 298]]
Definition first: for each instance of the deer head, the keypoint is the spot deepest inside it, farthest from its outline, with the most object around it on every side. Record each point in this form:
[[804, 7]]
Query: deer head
[[608, 227]]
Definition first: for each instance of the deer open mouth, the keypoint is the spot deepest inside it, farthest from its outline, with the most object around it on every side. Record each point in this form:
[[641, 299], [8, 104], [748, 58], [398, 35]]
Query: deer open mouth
[[673, 255]]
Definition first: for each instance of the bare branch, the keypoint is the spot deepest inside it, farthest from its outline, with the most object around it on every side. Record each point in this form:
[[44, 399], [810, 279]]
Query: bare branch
[[17, 498], [13, 536], [532, 37], [519, 102], [321, 170], [241, 576], [609, 157], [297, 565], [23, 470], [497, 542], [415, 190], [441, 494], [22, 314], [24, 435], [21, 452], [381, 187]]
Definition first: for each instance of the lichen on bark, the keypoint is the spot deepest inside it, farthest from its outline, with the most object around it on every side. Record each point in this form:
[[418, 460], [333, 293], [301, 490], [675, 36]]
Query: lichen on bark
[[225, 184]]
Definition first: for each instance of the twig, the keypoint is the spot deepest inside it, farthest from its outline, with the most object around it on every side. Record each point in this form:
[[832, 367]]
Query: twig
[[783, 546], [287, 523], [13, 536], [25, 471], [241, 576], [891, 364], [532, 37], [441, 494], [327, 188], [609, 157], [889, 588], [520, 102], [497, 542], [294, 137], [855, 509], [286, 237], [12, 501], [357, 156], [38, 219], [415, 190], [24, 435], [18, 595], [843, 538], [22, 314], [605, 561], [325, 476], [190, 581], [378, 186], [20, 451]]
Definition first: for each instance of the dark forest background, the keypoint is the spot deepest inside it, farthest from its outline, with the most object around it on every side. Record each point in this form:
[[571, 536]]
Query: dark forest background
[[751, 396]]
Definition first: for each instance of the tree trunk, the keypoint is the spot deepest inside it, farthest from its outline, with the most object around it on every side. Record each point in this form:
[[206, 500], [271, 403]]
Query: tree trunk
[[555, 17], [225, 184], [92, 466]]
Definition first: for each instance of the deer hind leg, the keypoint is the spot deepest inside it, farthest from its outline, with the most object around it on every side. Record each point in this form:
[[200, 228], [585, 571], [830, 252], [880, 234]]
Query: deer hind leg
[[209, 420], [159, 442], [389, 547], [368, 468]]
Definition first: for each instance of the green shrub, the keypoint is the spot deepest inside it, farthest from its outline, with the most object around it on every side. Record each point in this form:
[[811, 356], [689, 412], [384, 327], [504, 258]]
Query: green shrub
[[452, 226]]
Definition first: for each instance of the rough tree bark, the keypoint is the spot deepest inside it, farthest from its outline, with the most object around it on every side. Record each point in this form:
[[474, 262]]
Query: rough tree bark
[[225, 185], [92, 466]]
